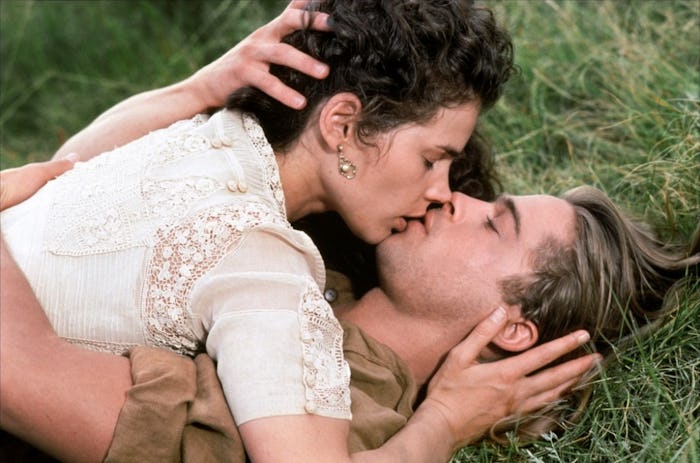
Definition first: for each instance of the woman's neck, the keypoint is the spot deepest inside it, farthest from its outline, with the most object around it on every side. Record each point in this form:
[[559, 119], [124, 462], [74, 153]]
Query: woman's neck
[[304, 192]]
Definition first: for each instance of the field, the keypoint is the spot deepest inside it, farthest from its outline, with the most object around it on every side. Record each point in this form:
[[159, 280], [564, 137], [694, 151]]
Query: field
[[608, 94]]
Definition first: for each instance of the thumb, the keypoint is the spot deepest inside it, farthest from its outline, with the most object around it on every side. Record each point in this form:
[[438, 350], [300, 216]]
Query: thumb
[[469, 349]]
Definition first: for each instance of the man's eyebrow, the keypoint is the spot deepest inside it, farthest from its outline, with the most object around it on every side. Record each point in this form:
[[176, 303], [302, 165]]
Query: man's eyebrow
[[509, 204]]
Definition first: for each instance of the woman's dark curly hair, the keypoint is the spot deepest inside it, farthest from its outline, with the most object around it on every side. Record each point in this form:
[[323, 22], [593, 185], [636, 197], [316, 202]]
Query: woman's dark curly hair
[[403, 59]]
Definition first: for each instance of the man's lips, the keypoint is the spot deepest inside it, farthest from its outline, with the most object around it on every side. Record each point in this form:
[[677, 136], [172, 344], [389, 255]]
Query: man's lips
[[429, 219]]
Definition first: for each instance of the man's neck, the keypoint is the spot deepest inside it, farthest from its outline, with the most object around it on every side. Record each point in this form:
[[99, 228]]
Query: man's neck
[[420, 343]]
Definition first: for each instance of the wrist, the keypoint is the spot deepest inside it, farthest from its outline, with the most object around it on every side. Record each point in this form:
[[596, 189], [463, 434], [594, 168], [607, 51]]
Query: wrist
[[437, 424], [459, 426], [196, 91]]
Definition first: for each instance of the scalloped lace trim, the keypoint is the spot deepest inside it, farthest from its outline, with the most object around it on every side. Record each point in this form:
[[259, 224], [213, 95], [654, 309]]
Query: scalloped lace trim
[[326, 373], [270, 168], [102, 346]]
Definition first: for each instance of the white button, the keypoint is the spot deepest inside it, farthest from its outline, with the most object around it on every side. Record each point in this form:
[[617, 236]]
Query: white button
[[216, 143], [310, 380], [242, 187], [232, 185], [226, 140], [310, 406]]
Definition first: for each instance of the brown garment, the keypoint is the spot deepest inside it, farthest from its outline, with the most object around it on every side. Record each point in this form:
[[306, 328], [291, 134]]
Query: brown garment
[[173, 412], [176, 411]]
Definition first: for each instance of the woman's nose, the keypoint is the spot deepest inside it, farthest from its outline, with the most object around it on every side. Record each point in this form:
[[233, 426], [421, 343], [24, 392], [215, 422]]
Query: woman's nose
[[439, 189]]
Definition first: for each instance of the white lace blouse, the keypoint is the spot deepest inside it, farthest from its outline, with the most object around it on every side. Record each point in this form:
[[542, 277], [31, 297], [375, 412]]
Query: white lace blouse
[[180, 240]]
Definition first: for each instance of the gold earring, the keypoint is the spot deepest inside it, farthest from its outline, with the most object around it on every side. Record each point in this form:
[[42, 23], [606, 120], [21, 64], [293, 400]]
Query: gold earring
[[345, 167]]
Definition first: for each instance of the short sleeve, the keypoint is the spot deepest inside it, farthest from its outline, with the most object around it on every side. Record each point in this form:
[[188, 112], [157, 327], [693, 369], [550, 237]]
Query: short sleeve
[[276, 341]]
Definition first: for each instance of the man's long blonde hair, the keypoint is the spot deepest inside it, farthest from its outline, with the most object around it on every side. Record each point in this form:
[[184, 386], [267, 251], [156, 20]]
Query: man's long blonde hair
[[616, 280]]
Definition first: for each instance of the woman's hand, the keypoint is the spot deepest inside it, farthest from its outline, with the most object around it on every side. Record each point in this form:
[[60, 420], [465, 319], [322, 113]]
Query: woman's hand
[[248, 63], [20, 183], [470, 397]]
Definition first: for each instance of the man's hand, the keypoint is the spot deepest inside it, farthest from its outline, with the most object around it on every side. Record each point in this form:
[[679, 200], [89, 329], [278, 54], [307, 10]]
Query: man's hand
[[20, 183]]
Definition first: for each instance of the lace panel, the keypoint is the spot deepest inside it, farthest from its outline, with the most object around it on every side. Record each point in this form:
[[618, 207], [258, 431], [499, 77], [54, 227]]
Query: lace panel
[[326, 373], [171, 198], [104, 216], [182, 255], [270, 168]]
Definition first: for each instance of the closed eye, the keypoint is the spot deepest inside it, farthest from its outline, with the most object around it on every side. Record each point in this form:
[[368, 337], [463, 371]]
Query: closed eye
[[489, 224]]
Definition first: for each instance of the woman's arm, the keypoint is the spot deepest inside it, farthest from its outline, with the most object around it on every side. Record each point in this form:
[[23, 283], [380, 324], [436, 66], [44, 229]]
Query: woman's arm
[[464, 400], [247, 64]]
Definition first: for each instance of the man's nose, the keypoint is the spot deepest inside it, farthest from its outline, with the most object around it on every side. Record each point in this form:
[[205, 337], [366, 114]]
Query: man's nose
[[465, 207]]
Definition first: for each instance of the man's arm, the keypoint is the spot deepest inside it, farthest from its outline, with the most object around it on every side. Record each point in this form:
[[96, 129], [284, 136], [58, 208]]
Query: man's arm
[[20, 183], [464, 400], [247, 64]]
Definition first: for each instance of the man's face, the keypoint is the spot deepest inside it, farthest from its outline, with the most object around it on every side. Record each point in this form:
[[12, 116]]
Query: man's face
[[450, 266]]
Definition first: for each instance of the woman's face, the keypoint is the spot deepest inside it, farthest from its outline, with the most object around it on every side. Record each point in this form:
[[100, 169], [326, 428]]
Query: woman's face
[[403, 173]]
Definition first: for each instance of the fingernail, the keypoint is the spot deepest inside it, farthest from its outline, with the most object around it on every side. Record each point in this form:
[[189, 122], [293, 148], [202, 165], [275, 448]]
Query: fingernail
[[498, 315], [583, 336], [72, 157], [321, 70], [299, 102]]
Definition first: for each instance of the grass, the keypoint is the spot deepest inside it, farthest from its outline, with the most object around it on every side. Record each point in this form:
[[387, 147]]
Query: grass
[[608, 95]]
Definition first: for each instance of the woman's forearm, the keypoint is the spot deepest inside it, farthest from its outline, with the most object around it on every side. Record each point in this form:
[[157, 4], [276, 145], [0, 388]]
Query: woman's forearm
[[135, 117], [426, 438]]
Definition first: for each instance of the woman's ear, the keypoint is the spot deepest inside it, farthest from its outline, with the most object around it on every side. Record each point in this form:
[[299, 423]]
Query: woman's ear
[[518, 335], [338, 118]]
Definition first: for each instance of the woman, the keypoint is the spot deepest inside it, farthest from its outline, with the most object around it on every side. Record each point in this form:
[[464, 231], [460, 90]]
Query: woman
[[206, 204]]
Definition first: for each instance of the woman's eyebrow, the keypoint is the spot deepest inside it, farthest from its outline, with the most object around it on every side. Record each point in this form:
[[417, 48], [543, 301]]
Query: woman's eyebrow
[[449, 150]]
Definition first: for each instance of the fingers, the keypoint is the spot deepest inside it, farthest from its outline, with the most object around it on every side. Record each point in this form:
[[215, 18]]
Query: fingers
[[295, 12], [52, 169], [468, 350], [20, 183], [286, 55], [279, 91], [540, 356], [265, 47], [552, 383]]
